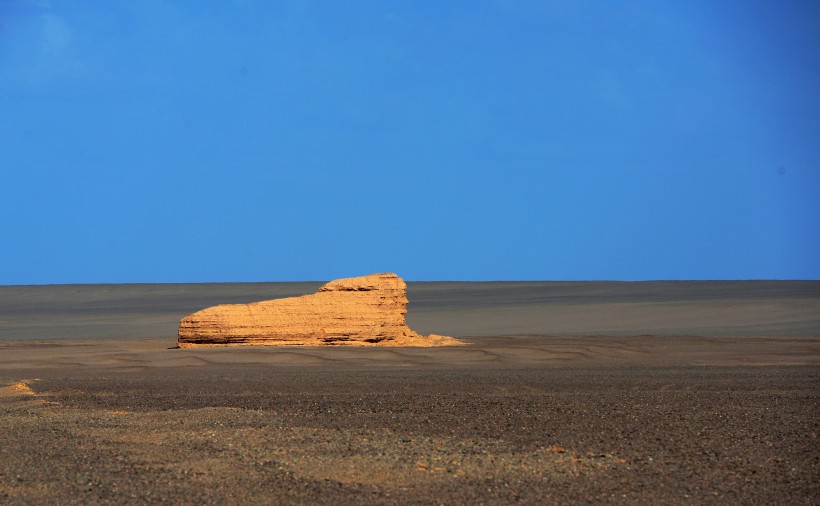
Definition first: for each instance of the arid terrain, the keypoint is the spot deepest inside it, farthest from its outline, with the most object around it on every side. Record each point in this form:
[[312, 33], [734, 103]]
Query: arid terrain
[[655, 392]]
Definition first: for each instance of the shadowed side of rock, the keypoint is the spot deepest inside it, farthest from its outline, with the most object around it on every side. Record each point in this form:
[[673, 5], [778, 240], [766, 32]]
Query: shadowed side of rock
[[363, 311]]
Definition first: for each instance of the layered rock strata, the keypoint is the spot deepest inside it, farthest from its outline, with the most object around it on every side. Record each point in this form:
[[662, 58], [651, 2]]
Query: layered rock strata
[[363, 311]]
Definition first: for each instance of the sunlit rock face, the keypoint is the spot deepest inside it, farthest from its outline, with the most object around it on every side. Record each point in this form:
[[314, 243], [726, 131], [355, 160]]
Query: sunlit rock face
[[363, 311]]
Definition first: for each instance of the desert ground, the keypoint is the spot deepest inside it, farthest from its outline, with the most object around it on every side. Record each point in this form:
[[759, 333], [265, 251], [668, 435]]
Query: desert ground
[[567, 392]]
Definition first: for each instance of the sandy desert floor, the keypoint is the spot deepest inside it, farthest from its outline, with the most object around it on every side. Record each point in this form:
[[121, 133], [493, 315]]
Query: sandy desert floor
[[668, 392]]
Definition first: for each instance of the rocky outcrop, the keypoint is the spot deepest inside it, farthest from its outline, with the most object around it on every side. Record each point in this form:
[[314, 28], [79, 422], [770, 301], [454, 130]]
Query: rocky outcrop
[[363, 311]]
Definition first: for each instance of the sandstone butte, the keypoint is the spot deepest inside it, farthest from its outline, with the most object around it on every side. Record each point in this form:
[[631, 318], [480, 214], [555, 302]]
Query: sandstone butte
[[363, 311]]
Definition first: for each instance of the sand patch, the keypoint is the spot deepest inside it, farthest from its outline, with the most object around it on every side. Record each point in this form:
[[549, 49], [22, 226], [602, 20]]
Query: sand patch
[[19, 389]]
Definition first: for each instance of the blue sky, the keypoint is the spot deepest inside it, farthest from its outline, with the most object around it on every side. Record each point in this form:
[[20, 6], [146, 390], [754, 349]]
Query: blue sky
[[160, 141]]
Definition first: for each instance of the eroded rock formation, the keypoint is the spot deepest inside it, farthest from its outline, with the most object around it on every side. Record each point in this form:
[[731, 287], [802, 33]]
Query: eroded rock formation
[[367, 310]]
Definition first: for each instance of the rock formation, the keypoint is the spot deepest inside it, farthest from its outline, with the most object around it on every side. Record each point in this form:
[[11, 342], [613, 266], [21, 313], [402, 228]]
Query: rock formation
[[367, 310]]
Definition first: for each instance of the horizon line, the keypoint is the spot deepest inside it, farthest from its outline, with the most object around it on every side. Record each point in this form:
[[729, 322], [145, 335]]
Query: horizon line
[[659, 280]]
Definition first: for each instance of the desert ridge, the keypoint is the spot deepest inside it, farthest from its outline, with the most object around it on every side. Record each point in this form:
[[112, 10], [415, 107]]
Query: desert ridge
[[362, 311]]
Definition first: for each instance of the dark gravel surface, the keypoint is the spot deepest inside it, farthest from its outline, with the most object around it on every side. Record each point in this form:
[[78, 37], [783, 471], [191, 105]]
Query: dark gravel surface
[[590, 392], [238, 435]]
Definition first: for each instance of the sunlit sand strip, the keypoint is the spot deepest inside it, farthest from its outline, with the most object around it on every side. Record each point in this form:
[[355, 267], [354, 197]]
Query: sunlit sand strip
[[19, 389]]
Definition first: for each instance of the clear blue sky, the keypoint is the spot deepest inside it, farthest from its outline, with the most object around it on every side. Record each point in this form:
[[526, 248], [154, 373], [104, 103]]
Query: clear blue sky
[[172, 141]]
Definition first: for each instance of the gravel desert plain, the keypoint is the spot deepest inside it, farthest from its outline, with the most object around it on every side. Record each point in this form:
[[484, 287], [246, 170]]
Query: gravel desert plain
[[566, 392]]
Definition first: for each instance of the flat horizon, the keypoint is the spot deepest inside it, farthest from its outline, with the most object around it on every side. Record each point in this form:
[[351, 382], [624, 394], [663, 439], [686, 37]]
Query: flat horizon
[[728, 280]]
